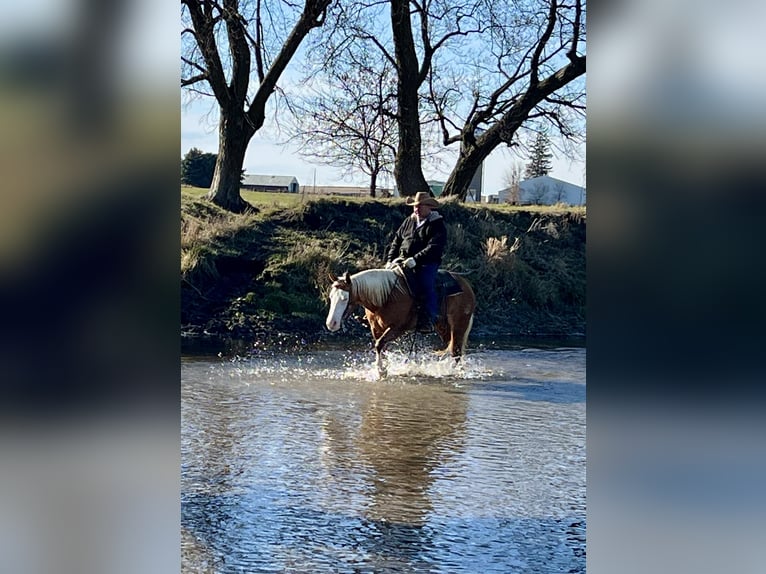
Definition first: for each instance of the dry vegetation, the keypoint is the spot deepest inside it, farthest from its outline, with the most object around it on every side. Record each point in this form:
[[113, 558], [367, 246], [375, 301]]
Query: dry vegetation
[[245, 274]]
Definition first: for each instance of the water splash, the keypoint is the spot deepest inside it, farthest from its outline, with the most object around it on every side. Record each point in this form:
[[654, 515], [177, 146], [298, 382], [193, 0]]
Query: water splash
[[418, 368], [351, 365], [404, 367]]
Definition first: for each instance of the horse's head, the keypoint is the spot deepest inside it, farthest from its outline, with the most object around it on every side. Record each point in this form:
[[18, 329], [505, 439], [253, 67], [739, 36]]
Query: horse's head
[[340, 293]]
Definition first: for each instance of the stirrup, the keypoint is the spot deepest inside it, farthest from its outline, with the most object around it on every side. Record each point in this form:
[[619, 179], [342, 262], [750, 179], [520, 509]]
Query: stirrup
[[424, 325]]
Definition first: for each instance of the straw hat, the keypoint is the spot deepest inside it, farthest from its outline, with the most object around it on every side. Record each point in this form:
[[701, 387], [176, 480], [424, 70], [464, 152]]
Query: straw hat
[[422, 198]]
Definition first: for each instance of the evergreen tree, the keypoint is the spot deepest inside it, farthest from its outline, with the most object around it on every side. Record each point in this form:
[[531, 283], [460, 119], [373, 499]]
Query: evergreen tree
[[197, 168], [540, 160]]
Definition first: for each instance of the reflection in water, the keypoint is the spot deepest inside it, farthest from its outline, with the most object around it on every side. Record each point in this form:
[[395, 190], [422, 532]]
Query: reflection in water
[[304, 464], [406, 434]]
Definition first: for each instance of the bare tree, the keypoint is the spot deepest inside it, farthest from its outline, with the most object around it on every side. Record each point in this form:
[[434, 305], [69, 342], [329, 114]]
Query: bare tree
[[346, 119], [512, 179], [438, 23], [408, 43], [219, 42], [559, 192], [408, 171], [534, 61], [536, 193]]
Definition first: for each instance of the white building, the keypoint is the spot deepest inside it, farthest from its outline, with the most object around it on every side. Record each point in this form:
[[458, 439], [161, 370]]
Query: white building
[[543, 190], [282, 183]]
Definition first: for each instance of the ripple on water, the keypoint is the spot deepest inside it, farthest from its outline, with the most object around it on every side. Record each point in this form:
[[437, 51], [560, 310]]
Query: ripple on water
[[310, 464]]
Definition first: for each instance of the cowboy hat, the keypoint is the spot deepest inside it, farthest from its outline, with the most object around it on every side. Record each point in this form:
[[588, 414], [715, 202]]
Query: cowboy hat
[[422, 198]]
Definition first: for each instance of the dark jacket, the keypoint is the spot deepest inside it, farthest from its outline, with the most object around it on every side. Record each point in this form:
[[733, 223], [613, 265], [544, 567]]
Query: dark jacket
[[425, 244]]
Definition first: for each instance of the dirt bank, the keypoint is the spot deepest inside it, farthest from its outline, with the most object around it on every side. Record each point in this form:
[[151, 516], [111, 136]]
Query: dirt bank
[[263, 277]]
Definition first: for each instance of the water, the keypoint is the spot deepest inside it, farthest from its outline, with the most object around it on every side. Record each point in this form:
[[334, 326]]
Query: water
[[306, 462]]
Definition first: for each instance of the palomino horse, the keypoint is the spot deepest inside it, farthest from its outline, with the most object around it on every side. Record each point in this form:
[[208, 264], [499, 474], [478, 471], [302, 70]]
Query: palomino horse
[[390, 309]]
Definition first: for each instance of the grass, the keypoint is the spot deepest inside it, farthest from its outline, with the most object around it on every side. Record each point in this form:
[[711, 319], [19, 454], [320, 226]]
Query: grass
[[527, 263], [262, 199], [205, 231], [555, 209], [266, 199]]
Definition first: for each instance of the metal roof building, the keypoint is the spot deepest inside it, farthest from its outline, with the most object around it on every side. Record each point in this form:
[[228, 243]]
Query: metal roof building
[[284, 183]]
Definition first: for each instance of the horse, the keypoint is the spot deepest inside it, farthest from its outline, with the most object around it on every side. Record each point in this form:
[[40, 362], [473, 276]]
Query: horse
[[390, 309]]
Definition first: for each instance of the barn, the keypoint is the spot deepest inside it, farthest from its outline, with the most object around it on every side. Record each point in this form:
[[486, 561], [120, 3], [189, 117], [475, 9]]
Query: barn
[[279, 183], [543, 190]]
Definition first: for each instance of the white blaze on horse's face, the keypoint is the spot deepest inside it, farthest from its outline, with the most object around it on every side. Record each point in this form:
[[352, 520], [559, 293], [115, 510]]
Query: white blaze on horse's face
[[338, 305]]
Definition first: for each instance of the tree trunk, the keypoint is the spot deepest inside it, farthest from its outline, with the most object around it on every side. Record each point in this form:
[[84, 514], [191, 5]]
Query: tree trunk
[[471, 156], [234, 134], [461, 175], [373, 183], [408, 171]]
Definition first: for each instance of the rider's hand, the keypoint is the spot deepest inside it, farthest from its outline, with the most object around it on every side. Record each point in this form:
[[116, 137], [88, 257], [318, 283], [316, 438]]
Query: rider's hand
[[409, 262]]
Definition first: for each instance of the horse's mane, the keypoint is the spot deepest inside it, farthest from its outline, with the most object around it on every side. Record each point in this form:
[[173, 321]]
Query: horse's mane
[[374, 285]]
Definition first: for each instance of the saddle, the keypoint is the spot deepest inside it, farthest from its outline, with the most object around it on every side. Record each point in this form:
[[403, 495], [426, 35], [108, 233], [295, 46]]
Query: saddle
[[446, 285]]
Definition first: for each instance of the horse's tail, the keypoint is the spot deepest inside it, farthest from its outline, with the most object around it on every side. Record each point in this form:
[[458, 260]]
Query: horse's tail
[[464, 342]]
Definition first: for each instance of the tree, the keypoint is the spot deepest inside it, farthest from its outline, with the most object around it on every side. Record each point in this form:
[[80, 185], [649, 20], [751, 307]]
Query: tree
[[219, 41], [407, 36], [536, 193], [345, 119], [458, 19], [408, 170], [480, 71], [530, 70], [512, 179], [540, 157], [197, 168], [559, 192]]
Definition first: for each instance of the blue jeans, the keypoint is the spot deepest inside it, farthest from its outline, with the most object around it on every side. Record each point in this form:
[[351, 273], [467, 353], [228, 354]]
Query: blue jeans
[[425, 280]]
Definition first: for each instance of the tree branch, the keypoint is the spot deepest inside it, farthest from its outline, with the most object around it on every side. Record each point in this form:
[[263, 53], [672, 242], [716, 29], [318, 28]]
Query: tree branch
[[194, 64], [312, 16], [193, 80], [535, 65], [259, 44], [204, 26], [572, 54], [239, 50]]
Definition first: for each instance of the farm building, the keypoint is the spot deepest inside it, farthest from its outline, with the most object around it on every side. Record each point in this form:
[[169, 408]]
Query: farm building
[[436, 187], [343, 190], [283, 183], [543, 190]]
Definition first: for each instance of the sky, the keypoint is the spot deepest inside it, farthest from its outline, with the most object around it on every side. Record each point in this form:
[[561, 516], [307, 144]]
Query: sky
[[265, 157], [138, 50]]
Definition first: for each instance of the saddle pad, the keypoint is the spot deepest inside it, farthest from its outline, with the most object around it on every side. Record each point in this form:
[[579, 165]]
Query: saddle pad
[[446, 284]]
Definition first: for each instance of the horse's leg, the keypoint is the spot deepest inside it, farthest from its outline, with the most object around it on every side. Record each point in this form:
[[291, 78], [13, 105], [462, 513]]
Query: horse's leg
[[443, 330], [448, 330], [380, 345], [458, 320], [389, 335]]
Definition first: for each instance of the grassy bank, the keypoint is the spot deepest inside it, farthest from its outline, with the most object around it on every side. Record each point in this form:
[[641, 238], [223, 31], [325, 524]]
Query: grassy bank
[[265, 274]]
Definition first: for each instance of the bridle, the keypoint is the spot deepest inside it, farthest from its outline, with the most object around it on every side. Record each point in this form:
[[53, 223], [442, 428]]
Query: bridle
[[344, 286]]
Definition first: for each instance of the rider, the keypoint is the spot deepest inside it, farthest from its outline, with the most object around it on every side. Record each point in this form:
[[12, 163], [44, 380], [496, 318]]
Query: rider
[[420, 242]]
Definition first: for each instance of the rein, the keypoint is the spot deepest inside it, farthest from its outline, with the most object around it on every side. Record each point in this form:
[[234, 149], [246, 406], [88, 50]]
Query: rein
[[349, 306], [348, 310]]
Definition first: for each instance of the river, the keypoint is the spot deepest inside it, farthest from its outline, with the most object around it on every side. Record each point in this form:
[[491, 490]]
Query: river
[[306, 462]]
